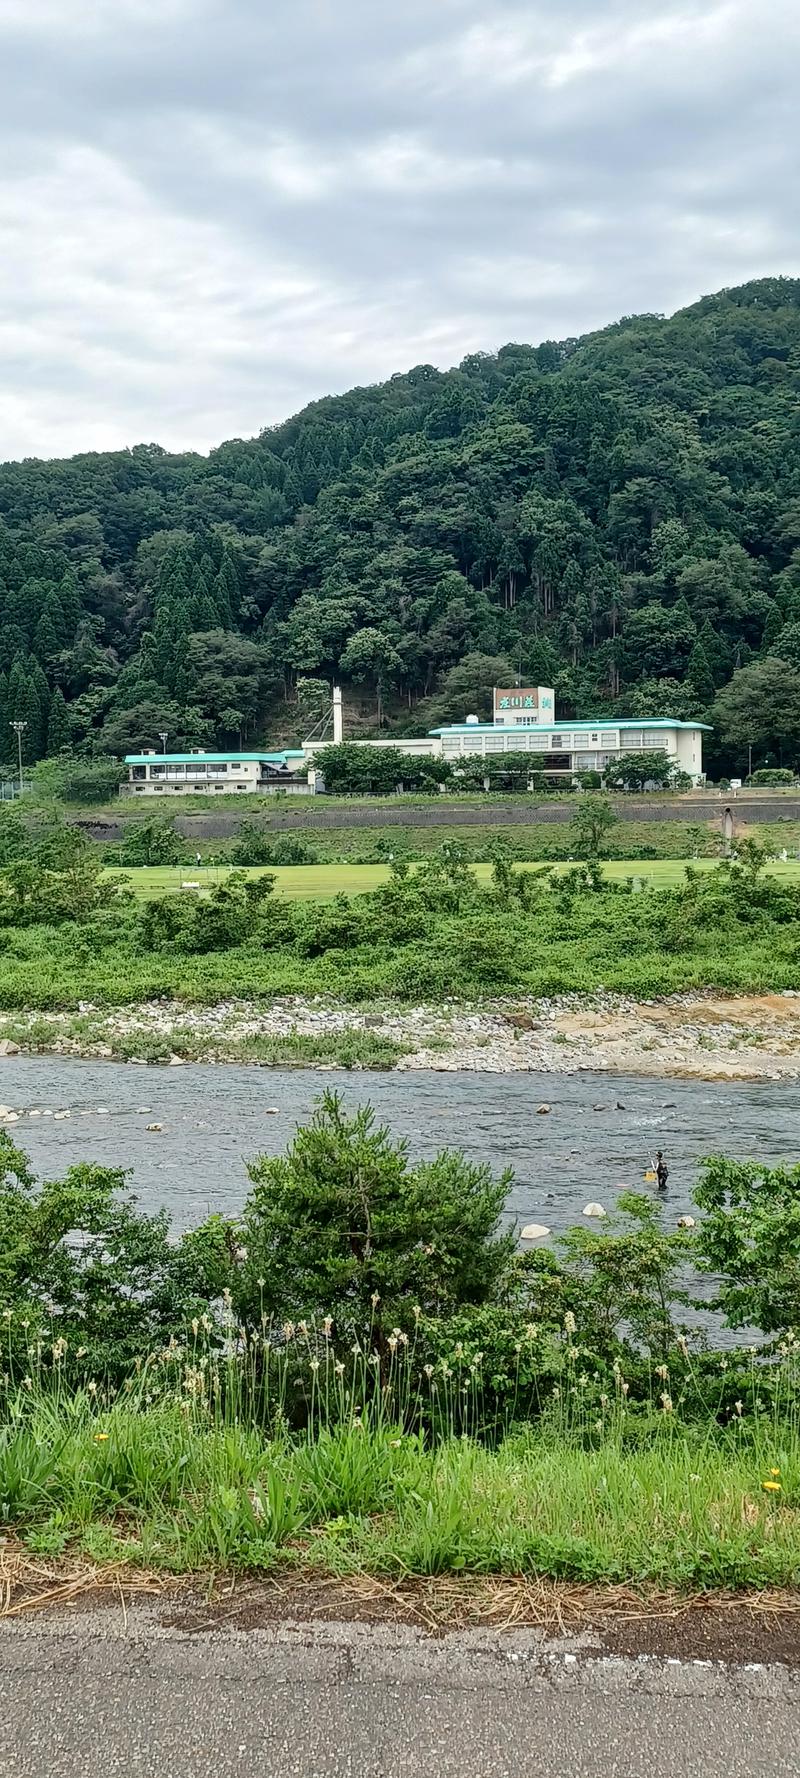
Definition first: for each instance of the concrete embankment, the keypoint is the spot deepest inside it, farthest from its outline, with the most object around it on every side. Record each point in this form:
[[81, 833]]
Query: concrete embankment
[[307, 815]]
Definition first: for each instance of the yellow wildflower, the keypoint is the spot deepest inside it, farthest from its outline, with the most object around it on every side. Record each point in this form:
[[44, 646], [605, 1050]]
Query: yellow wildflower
[[100, 1437], [771, 1487]]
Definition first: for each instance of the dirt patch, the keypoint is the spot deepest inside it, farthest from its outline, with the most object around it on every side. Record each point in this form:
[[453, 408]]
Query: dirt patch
[[754, 1011], [759, 1627], [764, 1627]]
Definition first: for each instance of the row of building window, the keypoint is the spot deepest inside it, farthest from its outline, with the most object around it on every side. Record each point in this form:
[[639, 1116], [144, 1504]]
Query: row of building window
[[457, 746], [197, 769], [633, 739], [160, 788]]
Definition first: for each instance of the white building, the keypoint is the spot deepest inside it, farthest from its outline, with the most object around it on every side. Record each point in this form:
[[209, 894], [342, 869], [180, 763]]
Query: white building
[[560, 749], [566, 748], [198, 773]]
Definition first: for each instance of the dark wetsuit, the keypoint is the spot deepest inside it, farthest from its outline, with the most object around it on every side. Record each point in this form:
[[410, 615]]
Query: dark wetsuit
[[662, 1175]]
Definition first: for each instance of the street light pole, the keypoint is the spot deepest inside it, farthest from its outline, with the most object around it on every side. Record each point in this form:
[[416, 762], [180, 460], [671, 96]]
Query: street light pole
[[163, 735], [749, 759], [19, 730]]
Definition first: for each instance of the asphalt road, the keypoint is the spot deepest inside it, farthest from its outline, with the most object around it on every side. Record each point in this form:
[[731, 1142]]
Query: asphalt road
[[94, 1694]]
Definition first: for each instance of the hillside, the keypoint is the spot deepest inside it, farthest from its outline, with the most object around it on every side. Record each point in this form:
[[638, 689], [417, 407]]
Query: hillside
[[618, 515]]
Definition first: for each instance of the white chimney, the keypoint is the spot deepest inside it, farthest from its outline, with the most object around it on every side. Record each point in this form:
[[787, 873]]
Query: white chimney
[[338, 716]]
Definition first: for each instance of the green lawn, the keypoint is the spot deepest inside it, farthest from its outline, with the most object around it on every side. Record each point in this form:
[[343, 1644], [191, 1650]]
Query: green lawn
[[320, 882]]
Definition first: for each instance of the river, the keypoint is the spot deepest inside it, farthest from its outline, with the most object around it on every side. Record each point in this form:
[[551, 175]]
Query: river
[[599, 1135]]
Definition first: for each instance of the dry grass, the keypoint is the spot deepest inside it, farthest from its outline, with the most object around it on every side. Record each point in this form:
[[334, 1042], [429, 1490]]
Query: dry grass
[[31, 1583], [438, 1605]]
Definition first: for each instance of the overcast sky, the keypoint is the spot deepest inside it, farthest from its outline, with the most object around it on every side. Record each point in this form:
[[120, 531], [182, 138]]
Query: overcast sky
[[212, 211]]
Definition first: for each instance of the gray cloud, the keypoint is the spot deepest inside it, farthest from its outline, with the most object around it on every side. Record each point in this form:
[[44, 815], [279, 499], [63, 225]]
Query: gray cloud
[[212, 211]]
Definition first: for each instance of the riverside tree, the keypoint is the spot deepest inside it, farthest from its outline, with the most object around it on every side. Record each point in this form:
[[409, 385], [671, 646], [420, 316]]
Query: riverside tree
[[343, 1225]]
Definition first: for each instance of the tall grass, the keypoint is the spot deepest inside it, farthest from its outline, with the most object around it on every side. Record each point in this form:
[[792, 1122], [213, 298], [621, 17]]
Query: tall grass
[[195, 1464]]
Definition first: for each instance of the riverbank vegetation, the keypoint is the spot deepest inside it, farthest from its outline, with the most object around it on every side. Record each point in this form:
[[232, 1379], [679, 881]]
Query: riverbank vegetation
[[72, 933], [364, 1372]]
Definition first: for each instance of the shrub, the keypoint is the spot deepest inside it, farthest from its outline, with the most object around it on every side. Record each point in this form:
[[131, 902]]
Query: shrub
[[750, 1240], [344, 1225], [151, 842], [255, 846], [78, 780], [79, 1262]]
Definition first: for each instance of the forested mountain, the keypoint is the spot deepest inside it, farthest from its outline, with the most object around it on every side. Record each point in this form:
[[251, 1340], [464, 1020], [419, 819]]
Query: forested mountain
[[617, 515]]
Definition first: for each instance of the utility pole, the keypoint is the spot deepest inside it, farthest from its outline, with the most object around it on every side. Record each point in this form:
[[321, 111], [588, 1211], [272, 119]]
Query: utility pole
[[749, 759], [163, 735], [19, 730]]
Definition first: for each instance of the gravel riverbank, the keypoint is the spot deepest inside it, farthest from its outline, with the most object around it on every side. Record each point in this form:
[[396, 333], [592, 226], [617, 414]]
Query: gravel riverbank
[[705, 1035]]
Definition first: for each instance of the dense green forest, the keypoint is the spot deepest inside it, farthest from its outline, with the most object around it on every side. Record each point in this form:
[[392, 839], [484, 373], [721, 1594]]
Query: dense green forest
[[617, 515]]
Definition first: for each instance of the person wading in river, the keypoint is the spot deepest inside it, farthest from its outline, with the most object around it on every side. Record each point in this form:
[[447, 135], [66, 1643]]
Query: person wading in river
[[662, 1171]]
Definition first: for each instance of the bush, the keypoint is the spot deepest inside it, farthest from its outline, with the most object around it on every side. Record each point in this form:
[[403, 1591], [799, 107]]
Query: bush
[[79, 1260], [224, 919], [151, 842], [254, 846], [591, 824], [79, 781], [773, 775], [343, 1225], [750, 1239], [352, 770], [638, 771]]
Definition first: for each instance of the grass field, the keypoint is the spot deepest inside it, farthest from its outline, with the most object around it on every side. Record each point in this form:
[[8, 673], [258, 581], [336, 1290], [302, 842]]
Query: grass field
[[321, 882]]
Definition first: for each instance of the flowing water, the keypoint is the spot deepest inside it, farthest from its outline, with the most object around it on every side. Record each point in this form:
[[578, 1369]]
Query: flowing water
[[599, 1135]]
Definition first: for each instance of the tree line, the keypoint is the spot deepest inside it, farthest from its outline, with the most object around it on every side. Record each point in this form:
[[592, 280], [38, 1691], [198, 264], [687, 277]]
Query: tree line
[[618, 516]]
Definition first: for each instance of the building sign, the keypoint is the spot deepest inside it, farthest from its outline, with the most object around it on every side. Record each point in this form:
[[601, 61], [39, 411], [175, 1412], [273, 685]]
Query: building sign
[[529, 703]]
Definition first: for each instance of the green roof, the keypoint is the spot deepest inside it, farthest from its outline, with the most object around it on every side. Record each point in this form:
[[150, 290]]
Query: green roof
[[211, 759], [567, 725]]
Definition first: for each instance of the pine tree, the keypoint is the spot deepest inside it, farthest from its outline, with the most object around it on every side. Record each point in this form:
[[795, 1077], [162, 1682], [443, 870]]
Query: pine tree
[[12, 644], [58, 731], [17, 683], [71, 605], [700, 676], [716, 651], [54, 612], [27, 709], [227, 592], [46, 645], [772, 628], [17, 612]]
